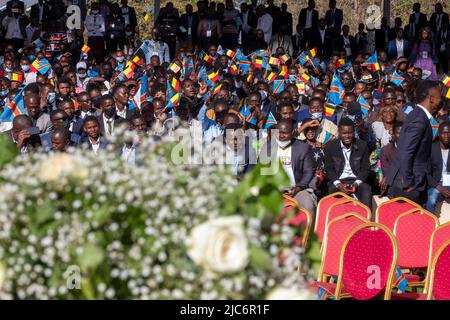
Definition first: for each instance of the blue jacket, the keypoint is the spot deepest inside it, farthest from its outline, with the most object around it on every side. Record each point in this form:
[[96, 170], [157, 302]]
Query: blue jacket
[[392, 49]]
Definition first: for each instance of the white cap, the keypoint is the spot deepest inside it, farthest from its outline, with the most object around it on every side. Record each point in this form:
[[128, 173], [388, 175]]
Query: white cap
[[82, 65]]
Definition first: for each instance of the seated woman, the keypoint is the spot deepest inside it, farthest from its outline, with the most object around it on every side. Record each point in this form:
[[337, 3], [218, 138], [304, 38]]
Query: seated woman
[[383, 128], [310, 133]]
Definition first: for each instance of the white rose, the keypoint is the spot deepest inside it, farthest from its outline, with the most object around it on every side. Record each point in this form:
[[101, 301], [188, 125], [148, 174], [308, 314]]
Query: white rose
[[2, 275], [219, 245], [62, 165], [282, 293]]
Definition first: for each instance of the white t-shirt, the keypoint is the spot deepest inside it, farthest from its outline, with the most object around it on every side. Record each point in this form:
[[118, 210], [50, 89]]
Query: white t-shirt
[[399, 44], [444, 153], [284, 155]]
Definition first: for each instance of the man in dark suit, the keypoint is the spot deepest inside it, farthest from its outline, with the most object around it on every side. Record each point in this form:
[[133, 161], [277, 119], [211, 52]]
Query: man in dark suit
[[347, 43], [296, 159], [308, 20], [41, 11], [411, 29], [408, 174], [323, 39], [108, 119], [439, 171], [240, 153], [129, 15], [347, 164], [443, 45], [437, 18], [121, 95], [382, 35], [284, 19], [334, 17], [188, 25], [393, 31], [399, 47], [361, 39], [93, 138], [388, 152], [419, 17]]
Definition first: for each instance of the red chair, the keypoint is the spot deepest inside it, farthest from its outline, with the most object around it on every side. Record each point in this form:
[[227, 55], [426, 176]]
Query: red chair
[[300, 217], [342, 207], [338, 231], [438, 238], [439, 287], [322, 209], [413, 230], [389, 211], [369, 251]]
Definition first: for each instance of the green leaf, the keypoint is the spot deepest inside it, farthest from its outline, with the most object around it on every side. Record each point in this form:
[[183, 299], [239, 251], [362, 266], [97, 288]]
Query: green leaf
[[91, 257], [260, 259], [313, 253], [102, 215], [9, 151]]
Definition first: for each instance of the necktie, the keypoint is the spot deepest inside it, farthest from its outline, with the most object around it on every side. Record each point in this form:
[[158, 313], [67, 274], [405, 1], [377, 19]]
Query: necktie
[[109, 123]]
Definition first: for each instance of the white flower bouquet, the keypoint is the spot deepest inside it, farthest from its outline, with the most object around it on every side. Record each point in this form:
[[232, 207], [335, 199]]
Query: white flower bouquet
[[85, 226]]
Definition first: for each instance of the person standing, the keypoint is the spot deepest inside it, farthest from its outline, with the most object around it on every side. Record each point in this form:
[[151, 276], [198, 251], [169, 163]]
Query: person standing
[[420, 19], [95, 25], [265, 22], [129, 16], [167, 24], [209, 30], [15, 23], [334, 17], [229, 26], [115, 30], [443, 45], [309, 21], [189, 21], [407, 176]]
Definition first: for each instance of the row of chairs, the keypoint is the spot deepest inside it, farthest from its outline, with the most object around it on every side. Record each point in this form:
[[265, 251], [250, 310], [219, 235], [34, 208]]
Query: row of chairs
[[415, 236]]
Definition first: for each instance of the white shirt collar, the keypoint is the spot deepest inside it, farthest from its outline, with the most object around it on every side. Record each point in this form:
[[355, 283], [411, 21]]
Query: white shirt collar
[[429, 115], [94, 142], [344, 148]]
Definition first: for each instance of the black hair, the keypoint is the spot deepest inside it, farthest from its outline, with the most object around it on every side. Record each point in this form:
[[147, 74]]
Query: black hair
[[423, 89], [398, 124], [345, 122], [444, 124], [90, 118]]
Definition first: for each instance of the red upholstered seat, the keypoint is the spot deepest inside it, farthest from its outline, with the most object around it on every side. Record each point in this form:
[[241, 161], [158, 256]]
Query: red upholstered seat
[[388, 212], [338, 231], [322, 209], [440, 274], [409, 296], [369, 255], [440, 236], [413, 230]]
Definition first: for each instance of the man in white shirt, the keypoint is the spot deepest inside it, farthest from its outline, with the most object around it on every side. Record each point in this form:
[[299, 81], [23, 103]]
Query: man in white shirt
[[438, 176], [309, 22], [347, 164], [399, 47], [15, 23], [156, 47], [264, 23], [296, 159], [95, 25], [93, 139]]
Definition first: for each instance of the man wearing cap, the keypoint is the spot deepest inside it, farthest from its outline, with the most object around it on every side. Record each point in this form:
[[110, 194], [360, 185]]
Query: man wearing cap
[[82, 77]]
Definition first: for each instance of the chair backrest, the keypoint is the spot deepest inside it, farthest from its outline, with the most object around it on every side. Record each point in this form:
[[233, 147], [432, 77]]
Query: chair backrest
[[440, 235], [322, 209], [338, 231], [413, 230], [342, 207], [368, 262], [389, 211], [440, 275], [301, 218]]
